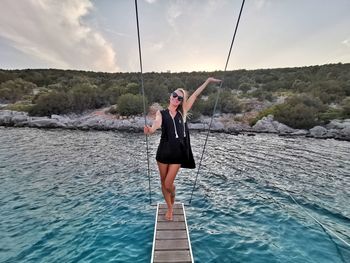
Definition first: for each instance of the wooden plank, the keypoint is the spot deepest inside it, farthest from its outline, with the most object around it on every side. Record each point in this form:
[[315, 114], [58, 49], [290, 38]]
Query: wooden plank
[[174, 234], [171, 225], [176, 218], [172, 256], [175, 206], [176, 211], [177, 244]]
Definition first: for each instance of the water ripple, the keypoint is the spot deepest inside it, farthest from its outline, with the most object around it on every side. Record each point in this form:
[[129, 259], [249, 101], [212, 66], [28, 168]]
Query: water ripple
[[73, 196]]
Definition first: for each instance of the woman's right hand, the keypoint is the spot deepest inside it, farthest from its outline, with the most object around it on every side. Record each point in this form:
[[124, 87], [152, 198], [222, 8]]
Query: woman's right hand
[[147, 130]]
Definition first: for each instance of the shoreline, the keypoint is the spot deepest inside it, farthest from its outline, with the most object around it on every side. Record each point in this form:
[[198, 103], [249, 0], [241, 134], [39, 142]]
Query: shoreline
[[336, 129]]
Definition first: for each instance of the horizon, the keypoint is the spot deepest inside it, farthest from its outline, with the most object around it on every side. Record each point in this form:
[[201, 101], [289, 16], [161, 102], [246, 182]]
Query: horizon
[[176, 36], [178, 72]]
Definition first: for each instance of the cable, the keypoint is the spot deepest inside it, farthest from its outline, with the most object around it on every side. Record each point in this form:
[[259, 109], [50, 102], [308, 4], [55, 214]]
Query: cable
[[217, 99], [144, 102]]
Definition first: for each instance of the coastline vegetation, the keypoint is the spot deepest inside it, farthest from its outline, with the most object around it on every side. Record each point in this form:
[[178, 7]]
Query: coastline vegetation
[[298, 97]]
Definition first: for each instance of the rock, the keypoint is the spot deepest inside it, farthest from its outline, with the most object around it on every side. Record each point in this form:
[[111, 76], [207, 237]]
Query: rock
[[217, 125], [20, 120], [318, 132], [300, 133], [338, 129], [61, 119], [265, 125], [283, 129], [44, 122], [344, 134], [237, 127], [332, 133], [197, 126], [6, 119], [335, 124]]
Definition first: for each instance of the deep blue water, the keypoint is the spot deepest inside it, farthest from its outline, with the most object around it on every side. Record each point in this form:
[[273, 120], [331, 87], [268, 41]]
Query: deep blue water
[[74, 196]]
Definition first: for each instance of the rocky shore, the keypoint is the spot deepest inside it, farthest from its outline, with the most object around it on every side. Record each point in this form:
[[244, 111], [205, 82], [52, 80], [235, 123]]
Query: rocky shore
[[337, 129]]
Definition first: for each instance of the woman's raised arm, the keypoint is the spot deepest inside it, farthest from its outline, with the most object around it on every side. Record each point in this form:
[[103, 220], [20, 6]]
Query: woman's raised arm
[[198, 91]]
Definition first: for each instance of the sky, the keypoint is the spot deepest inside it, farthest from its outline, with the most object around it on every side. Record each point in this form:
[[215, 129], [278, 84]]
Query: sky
[[176, 35]]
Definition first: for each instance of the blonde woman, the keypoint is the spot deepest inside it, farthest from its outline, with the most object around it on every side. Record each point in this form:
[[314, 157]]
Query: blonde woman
[[174, 150]]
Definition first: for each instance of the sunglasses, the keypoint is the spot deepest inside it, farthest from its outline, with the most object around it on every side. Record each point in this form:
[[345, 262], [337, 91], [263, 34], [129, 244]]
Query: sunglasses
[[175, 95]]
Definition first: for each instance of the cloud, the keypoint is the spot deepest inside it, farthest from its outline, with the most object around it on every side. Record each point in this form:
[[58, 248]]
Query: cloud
[[157, 46], [259, 4], [346, 42], [54, 32], [174, 11], [150, 1]]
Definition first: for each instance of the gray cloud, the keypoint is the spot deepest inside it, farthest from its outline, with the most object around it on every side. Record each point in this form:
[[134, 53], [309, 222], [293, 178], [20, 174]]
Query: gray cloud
[[55, 32]]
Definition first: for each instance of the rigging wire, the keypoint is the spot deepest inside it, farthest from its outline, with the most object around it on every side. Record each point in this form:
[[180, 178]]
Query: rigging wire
[[217, 99], [143, 100]]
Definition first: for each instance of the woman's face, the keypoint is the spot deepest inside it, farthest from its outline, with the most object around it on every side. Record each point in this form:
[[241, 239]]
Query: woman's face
[[176, 97]]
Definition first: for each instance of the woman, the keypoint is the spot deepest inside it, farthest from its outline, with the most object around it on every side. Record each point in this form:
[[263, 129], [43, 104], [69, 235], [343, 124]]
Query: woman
[[174, 150]]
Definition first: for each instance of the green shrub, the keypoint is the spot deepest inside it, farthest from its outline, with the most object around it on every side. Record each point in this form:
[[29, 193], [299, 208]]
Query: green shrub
[[331, 114], [20, 106], [346, 107], [300, 112], [50, 103], [130, 104], [14, 90], [229, 103]]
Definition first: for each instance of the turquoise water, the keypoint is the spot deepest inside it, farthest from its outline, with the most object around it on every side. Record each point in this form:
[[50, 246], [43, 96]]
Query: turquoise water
[[74, 196]]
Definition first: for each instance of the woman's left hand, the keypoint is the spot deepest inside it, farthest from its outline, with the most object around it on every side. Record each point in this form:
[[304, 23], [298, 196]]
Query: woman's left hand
[[213, 80]]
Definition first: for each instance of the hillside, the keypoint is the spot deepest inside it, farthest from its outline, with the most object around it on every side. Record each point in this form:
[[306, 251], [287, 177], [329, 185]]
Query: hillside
[[299, 97]]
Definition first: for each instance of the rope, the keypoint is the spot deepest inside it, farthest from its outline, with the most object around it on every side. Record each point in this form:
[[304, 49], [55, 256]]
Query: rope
[[217, 99], [143, 99], [318, 222]]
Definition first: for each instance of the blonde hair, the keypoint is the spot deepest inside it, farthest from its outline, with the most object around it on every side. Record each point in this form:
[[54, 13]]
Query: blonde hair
[[181, 106]]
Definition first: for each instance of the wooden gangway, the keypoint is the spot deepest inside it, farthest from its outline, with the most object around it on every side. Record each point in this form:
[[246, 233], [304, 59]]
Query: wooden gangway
[[171, 241]]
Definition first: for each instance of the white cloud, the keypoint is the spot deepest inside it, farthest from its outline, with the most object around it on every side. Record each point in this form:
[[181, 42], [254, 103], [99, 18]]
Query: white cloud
[[157, 46], [54, 32], [346, 42], [150, 1]]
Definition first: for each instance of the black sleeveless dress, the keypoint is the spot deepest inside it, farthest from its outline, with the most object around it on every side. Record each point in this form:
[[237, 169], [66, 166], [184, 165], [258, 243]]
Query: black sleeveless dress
[[175, 146]]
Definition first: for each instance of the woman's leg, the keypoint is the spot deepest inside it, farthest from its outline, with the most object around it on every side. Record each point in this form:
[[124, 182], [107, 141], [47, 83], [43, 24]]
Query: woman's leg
[[170, 187], [167, 176], [163, 170]]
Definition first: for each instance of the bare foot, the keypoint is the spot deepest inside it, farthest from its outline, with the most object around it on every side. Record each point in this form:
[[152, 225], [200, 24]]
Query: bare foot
[[169, 215]]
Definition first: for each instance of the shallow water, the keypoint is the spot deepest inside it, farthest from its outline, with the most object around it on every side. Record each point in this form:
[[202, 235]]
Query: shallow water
[[74, 196]]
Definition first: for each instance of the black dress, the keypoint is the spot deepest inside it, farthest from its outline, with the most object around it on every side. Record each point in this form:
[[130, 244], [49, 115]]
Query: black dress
[[175, 146]]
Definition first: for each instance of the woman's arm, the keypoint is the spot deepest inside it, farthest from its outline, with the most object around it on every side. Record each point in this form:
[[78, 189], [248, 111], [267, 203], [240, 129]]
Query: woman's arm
[[198, 91], [157, 123]]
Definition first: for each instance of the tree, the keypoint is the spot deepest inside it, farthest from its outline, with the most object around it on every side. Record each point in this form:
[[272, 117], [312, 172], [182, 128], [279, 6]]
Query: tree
[[346, 107], [51, 103], [84, 96], [112, 94], [301, 112], [229, 103], [14, 90], [130, 104]]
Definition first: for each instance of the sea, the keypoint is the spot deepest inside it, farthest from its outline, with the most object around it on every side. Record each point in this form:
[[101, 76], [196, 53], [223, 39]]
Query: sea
[[90, 196]]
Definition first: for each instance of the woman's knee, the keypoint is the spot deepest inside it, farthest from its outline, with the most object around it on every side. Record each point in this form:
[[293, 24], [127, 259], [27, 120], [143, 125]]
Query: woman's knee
[[168, 186], [162, 181]]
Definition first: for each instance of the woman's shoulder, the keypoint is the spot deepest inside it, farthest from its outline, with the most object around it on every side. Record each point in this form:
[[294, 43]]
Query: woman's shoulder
[[163, 111]]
